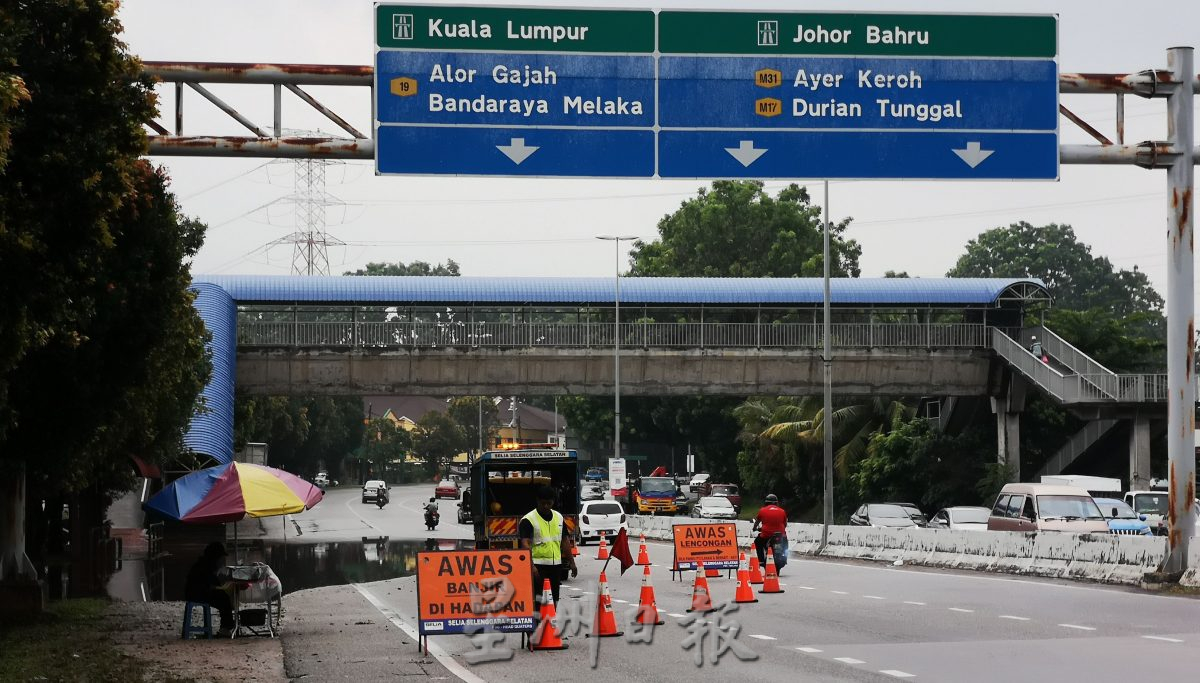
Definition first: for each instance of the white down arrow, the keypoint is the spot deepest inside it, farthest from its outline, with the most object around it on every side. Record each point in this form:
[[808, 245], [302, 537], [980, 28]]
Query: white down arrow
[[973, 155], [745, 152], [516, 150]]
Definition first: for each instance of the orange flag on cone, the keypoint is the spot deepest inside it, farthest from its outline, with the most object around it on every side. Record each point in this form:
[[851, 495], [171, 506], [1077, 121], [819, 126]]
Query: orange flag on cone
[[545, 637]]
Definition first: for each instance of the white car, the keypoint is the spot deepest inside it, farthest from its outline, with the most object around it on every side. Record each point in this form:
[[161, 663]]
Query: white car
[[600, 515], [697, 482], [714, 507], [371, 490], [961, 517]]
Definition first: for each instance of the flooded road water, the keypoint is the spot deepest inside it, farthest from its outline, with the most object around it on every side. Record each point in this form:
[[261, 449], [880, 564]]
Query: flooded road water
[[298, 565]]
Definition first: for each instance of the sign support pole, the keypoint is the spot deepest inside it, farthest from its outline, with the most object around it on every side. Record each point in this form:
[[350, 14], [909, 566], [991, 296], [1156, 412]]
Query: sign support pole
[[1181, 334], [827, 390]]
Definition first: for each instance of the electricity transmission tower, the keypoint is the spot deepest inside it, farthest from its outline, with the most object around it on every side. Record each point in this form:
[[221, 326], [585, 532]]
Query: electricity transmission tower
[[310, 242]]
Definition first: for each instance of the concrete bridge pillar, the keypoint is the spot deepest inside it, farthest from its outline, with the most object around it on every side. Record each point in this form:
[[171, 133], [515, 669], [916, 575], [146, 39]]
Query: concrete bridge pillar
[[1139, 453], [1007, 407]]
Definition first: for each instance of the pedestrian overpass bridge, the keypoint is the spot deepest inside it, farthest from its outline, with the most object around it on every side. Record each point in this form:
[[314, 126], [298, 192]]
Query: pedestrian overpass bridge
[[934, 337]]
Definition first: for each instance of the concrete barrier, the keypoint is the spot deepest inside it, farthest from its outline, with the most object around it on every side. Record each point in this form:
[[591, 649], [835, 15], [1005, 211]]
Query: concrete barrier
[[1108, 558], [1192, 576]]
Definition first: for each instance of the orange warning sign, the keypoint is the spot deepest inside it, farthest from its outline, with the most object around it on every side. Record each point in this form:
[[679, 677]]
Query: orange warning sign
[[463, 591], [713, 544]]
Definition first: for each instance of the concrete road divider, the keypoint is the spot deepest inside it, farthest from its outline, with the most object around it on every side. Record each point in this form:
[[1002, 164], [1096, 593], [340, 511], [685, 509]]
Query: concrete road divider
[[1107, 558]]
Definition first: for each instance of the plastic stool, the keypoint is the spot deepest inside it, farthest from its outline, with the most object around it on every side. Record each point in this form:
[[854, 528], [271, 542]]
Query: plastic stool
[[188, 629]]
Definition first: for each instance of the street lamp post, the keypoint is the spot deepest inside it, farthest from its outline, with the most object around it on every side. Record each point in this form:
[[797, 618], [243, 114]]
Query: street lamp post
[[616, 240]]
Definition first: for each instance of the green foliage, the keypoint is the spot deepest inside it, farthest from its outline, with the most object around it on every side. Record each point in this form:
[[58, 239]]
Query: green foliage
[[1119, 343], [385, 448], [737, 230], [437, 439], [995, 476], [916, 463], [1077, 280], [465, 412], [414, 268], [72, 104], [302, 431]]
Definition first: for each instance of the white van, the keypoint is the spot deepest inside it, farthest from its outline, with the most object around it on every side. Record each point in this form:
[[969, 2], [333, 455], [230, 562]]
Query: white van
[[1046, 507]]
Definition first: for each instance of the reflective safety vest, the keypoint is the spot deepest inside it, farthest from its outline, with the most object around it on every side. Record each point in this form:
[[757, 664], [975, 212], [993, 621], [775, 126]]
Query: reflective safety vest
[[547, 537]]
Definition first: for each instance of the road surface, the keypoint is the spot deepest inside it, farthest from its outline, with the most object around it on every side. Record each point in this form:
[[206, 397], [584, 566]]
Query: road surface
[[836, 621]]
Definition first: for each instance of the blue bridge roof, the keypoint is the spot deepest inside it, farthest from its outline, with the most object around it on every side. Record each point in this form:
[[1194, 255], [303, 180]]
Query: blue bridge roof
[[634, 290]]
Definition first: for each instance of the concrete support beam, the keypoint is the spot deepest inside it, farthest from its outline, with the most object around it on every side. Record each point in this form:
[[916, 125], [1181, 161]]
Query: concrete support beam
[[1139, 453], [1008, 407]]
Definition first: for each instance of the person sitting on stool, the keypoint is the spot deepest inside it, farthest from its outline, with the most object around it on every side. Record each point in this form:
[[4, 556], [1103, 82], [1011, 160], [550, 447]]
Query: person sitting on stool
[[204, 584]]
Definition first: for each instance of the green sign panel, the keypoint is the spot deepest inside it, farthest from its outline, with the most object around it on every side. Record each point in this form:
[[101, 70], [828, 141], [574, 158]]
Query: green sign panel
[[909, 35], [426, 27]]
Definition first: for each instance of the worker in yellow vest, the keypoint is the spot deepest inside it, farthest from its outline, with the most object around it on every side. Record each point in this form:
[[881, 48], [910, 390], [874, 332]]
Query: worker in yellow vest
[[543, 532]]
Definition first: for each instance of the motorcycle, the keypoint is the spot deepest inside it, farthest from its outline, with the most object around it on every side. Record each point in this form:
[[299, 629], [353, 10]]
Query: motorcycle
[[431, 519], [381, 499]]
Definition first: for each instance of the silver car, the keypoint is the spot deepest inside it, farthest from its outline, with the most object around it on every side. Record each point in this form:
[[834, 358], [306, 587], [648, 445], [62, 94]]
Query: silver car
[[714, 507]]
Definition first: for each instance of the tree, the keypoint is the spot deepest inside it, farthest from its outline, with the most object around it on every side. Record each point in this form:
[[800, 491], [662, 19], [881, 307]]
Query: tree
[[303, 432], [914, 462], [385, 449], [414, 268], [437, 439], [738, 230], [468, 412], [1077, 280], [96, 316]]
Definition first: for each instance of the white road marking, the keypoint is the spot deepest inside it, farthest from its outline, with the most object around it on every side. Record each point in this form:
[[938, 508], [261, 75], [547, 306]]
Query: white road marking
[[1009, 616], [434, 649], [620, 602], [807, 588], [839, 592], [874, 597], [762, 637], [809, 650], [914, 602], [1077, 626], [959, 609], [897, 674], [1163, 639], [364, 519], [573, 588], [677, 616], [849, 660]]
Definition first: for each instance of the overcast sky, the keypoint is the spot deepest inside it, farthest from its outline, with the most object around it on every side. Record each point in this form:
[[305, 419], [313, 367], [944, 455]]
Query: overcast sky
[[547, 227]]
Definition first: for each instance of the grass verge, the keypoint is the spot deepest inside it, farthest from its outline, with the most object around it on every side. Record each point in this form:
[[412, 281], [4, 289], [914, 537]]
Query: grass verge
[[68, 642]]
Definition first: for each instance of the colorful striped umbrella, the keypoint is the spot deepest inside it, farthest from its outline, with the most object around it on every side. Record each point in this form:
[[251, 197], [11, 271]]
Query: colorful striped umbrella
[[227, 493]]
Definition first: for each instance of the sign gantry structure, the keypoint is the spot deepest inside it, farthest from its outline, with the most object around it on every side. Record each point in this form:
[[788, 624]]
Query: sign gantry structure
[[682, 94], [497, 91]]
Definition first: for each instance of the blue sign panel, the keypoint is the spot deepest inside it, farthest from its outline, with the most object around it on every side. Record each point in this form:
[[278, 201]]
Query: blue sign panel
[[857, 154], [482, 88], [577, 152], [857, 92]]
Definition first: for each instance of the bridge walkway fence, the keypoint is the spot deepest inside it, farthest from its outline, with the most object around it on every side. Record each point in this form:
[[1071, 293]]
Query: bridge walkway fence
[[641, 334]]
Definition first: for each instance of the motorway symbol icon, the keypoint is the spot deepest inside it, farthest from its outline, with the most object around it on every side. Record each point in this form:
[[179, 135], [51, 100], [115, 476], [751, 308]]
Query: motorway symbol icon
[[973, 155], [746, 153], [518, 152]]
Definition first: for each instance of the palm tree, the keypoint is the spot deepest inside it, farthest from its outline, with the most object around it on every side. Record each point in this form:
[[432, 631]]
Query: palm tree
[[802, 421]]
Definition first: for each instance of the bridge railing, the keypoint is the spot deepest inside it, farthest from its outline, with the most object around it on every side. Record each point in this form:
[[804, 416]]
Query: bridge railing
[[644, 334]]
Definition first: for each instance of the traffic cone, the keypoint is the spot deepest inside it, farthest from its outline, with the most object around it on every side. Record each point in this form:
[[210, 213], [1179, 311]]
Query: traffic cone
[[756, 576], [643, 557], [701, 600], [744, 592], [647, 611], [545, 637], [602, 552], [574, 550], [711, 573], [606, 621], [771, 582]]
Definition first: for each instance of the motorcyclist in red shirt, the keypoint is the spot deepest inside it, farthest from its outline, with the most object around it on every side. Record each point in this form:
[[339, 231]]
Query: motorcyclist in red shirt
[[771, 520]]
